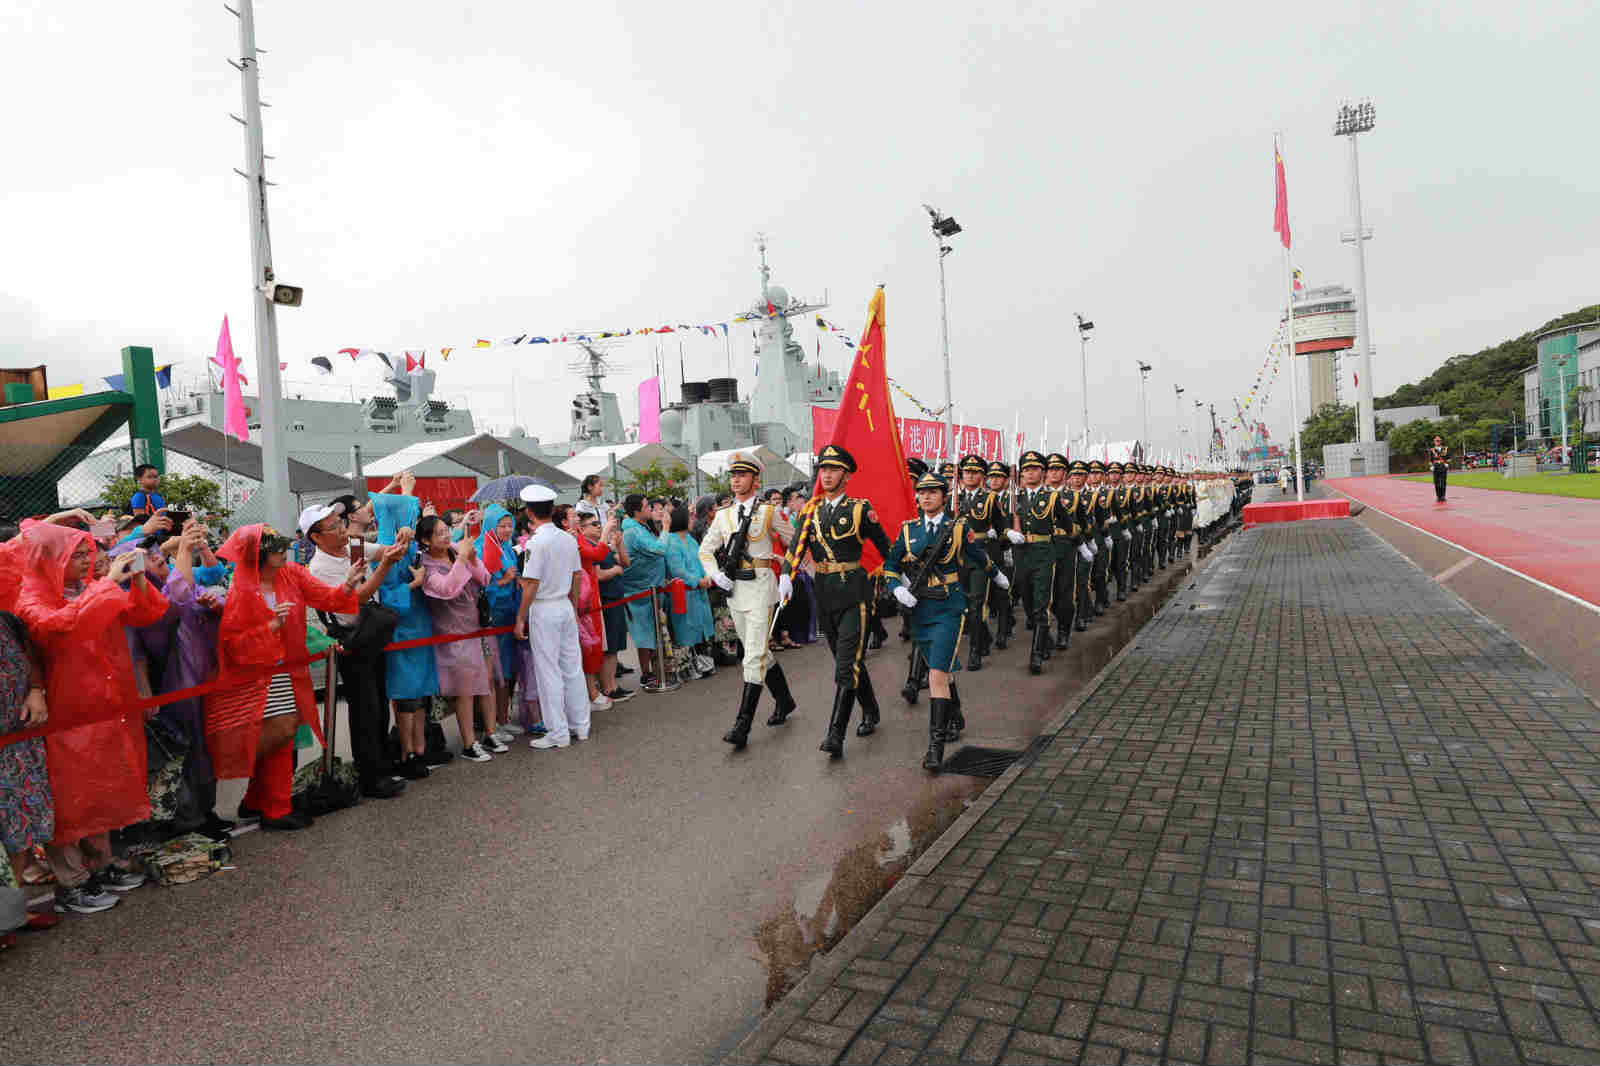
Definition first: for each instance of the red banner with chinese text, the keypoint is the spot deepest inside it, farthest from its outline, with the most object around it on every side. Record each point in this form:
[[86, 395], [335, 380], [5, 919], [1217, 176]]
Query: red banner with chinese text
[[920, 437]]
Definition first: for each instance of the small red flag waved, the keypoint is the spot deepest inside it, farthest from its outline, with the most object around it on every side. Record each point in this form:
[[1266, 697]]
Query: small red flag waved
[[1280, 212]]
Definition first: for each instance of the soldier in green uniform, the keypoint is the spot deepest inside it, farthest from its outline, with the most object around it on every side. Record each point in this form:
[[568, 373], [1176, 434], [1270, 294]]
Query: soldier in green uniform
[[1039, 512], [1099, 531], [1084, 550], [833, 527], [1121, 533], [1186, 496], [1143, 504], [1163, 521], [944, 544], [1064, 542], [978, 505], [1001, 600]]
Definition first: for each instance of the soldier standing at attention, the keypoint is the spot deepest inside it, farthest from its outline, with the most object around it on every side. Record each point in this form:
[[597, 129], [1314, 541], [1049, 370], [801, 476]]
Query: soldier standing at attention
[[1099, 531], [1140, 555], [979, 506], [1084, 551], [1064, 543], [1121, 535], [938, 609], [1040, 510], [754, 585], [1439, 459], [1005, 618], [833, 529]]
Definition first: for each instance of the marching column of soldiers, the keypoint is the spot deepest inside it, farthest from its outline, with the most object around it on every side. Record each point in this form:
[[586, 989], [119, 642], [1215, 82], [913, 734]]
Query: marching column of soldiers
[[976, 547]]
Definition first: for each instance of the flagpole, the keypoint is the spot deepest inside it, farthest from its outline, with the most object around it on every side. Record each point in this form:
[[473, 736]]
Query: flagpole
[[1294, 375]]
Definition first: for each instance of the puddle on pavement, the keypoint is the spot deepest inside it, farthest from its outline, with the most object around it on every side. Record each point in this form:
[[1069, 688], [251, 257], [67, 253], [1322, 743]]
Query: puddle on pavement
[[825, 908]]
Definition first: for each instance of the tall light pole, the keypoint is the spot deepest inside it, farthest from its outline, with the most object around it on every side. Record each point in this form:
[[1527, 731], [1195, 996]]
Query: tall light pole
[[1085, 327], [945, 226], [1144, 406], [1177, 416], [1199, 457], [1352, 121], [265, 293]]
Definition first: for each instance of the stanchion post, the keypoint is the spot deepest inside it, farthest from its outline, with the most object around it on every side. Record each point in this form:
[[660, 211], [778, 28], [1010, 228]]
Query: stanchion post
[[663, 648], [330, 719]]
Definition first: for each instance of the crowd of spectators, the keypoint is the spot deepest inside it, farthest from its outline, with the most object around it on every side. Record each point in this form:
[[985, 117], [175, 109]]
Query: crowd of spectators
[[103, 620]]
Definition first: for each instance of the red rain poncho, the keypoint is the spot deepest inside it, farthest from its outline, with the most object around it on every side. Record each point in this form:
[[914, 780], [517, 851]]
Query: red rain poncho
[[97, 771], [246, 644]]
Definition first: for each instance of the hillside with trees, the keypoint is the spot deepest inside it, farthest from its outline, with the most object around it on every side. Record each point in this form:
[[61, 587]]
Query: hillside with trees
[[1474, 392]]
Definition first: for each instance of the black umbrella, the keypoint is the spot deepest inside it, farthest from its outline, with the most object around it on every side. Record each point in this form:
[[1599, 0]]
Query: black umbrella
[[504, 488]]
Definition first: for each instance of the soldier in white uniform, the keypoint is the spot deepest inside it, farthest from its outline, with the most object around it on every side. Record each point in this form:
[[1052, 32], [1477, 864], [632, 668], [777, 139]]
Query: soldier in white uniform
[[755, 585]]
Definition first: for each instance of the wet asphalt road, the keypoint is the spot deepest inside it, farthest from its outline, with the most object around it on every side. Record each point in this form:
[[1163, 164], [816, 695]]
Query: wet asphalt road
[[620, 900]]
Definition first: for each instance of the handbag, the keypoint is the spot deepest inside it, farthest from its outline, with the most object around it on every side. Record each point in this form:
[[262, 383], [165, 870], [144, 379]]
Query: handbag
[[485, 612], [374, 628]]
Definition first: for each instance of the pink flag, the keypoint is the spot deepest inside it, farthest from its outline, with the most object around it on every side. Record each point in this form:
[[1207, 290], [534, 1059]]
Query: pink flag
[[234, 420], [650, 411]]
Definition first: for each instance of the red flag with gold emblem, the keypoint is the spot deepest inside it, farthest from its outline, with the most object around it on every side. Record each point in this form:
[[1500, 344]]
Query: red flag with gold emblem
[[867, 430]]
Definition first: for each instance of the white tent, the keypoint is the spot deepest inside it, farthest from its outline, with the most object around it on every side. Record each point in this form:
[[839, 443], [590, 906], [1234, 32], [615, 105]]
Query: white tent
[[629, 457], [1119, 451], [776, 470], [475, 455]]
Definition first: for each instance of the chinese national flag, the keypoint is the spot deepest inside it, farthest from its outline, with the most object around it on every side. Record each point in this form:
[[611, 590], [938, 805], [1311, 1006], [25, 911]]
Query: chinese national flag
[[1280, 212], [866, 429]]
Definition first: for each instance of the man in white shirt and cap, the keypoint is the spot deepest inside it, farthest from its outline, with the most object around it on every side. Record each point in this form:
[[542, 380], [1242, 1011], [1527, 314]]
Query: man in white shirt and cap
[[552, 589], [754, 586]]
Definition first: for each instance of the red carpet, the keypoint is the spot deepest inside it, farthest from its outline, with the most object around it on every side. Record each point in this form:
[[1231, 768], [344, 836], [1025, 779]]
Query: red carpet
[[1554, 539], [1256, 514]]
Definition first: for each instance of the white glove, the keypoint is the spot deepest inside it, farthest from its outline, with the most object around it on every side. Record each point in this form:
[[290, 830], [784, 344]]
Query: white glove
[[719, 579], [1094, 548], [1001, 582], [903, 594], [990, 534], [1015, 537], [785, 588], [1084, 553], [1169, 512], [1126, 535]]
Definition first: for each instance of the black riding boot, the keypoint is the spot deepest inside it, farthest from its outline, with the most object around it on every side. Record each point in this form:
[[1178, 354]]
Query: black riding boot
[[869, 705], [778, 685], [843, 700], [913, 685], [1041, 639], [747, 713], [954, 723], [975, 652], [938, 708]]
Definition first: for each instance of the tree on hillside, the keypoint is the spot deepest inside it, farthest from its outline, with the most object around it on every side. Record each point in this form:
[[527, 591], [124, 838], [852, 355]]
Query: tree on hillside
[[652, 480], [1483, 384]]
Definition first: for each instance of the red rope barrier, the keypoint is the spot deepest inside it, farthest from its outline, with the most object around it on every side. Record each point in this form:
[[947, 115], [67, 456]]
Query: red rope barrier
[[283, 666]]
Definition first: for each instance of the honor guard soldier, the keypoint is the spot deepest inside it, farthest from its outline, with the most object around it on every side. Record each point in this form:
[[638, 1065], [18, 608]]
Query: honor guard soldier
[[924, 569], [1165, 514], [978, 505], [1141, 518], [1186, 496], [999, 482], [1040, 511], [750, 536], [1099, 525], [833, 529], [1122, 519], [1064, 590], [1084, 551], [947, 470]]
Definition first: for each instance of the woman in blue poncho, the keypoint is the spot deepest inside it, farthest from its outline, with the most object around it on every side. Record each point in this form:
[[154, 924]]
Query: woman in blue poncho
[[412, 678], [503, 593], [692, 629]]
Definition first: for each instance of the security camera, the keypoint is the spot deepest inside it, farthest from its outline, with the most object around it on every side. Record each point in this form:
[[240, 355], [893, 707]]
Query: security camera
[[286, 295]]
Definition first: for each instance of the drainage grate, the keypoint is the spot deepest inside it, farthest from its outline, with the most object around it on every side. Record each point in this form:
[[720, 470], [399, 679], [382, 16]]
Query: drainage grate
[[976, 761]]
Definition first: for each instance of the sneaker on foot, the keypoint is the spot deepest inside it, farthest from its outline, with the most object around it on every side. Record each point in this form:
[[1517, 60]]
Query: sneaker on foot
[[503, 735], [623, 669], [116, 880], [621, 695], [648, 681], [546, 742], [84, 899], [511, 729], [538, 729], [476, 753], [601, 702], [494, 744]]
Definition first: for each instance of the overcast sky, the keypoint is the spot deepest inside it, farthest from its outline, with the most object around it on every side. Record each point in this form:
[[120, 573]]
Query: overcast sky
[[454, 171]]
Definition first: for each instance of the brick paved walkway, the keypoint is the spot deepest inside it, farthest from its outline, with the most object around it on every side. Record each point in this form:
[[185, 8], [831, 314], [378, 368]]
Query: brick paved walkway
[[1320, 811]]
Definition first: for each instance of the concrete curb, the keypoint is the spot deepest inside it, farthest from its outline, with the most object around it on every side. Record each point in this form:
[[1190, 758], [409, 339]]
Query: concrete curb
[[826, 967]]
